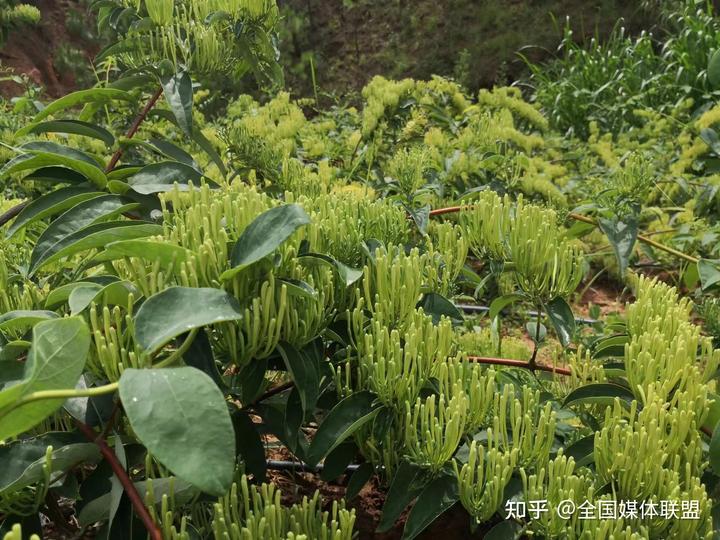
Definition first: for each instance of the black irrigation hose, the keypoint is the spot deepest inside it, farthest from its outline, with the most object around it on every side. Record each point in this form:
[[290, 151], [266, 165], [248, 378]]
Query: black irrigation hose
[[471, 308], [299, 466]]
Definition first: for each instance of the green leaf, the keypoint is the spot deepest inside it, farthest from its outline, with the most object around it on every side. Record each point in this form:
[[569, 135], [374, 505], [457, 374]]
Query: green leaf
[[437, 306], [113, 294], [149, 250], [505, 530], [713, 70], [56, 175], [172, 151], [23, 460], [249, 444], [159, 177], [337, 461], [48, 153], [56, 361], [264, 235], [83, 97], [438, 496], [304, 373], [408, 482], [500, 303], [96, 236], [19, 319], [51, 204], [562, 319], [93, 411], [179, 95], [610, 346], [169, 407], [582, 451], [598, 394], [165, 316], [622, 235], [709, 271], [359, 478], [347, 274], [713, 417], [538, 336], [75, 127], [78, 217], [341, 422]]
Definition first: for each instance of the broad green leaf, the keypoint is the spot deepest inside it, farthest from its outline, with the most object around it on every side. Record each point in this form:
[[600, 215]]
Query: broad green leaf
[[408, 482], [437, 306], [209, 149], [622, 235], [169, 407], [78, 217], [149, 250], [713, 416], [264, 235], [96, 236], [501, 302], [347, 274], [304, 373], [536, 331], [38, 160], [23, 460], [709, 271], [438, 496], [505, 530], [598, 394], [159, 177], [56, 175], [75, 127], [52, 154], [60, 295], [173, 152], [113, 294], [562, 319], [713, 70], [93, 411], [582, 451], [359, 478], [337, 461], [179, 95], [341, 422], [610, 346], [56, 361], [82, 97], [99, 509], [20, 319], [297, 287], [166, 315], [249, 444], [51, 204]]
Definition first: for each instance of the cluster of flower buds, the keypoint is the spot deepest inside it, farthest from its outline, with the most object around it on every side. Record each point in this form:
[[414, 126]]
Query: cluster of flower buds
[[250, 512]]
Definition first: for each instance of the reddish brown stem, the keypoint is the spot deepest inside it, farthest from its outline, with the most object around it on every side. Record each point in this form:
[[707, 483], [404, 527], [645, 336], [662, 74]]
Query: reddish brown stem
[[12, 213], [134, 128], [124, 479], [519, 364]]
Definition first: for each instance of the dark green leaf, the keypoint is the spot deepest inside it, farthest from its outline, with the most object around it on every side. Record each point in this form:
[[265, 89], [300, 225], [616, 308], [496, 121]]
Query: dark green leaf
[[82, 97], [408, 482], [347, 274], [622, 235], [341, 422], [437, 306], [169, 407], [304, 373], [438, 496], [264, 235], [159, 177], [337, 461], [75, 127], [500, 303], [359, 478], [713, 70], [19, 319], [149, 250], [165, 315], [53, 154], [92, 411], [505, 530], [179, 95], [598, 394], [95, 236], [249, 445], [709, 271], [51, 204], [582, 451], [562, 319]]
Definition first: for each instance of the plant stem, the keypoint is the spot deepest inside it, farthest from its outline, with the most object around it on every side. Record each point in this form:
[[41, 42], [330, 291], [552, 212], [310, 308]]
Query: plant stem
[[519, 364], [532, 362], [139, 119], [127, 484], [60, 394]]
